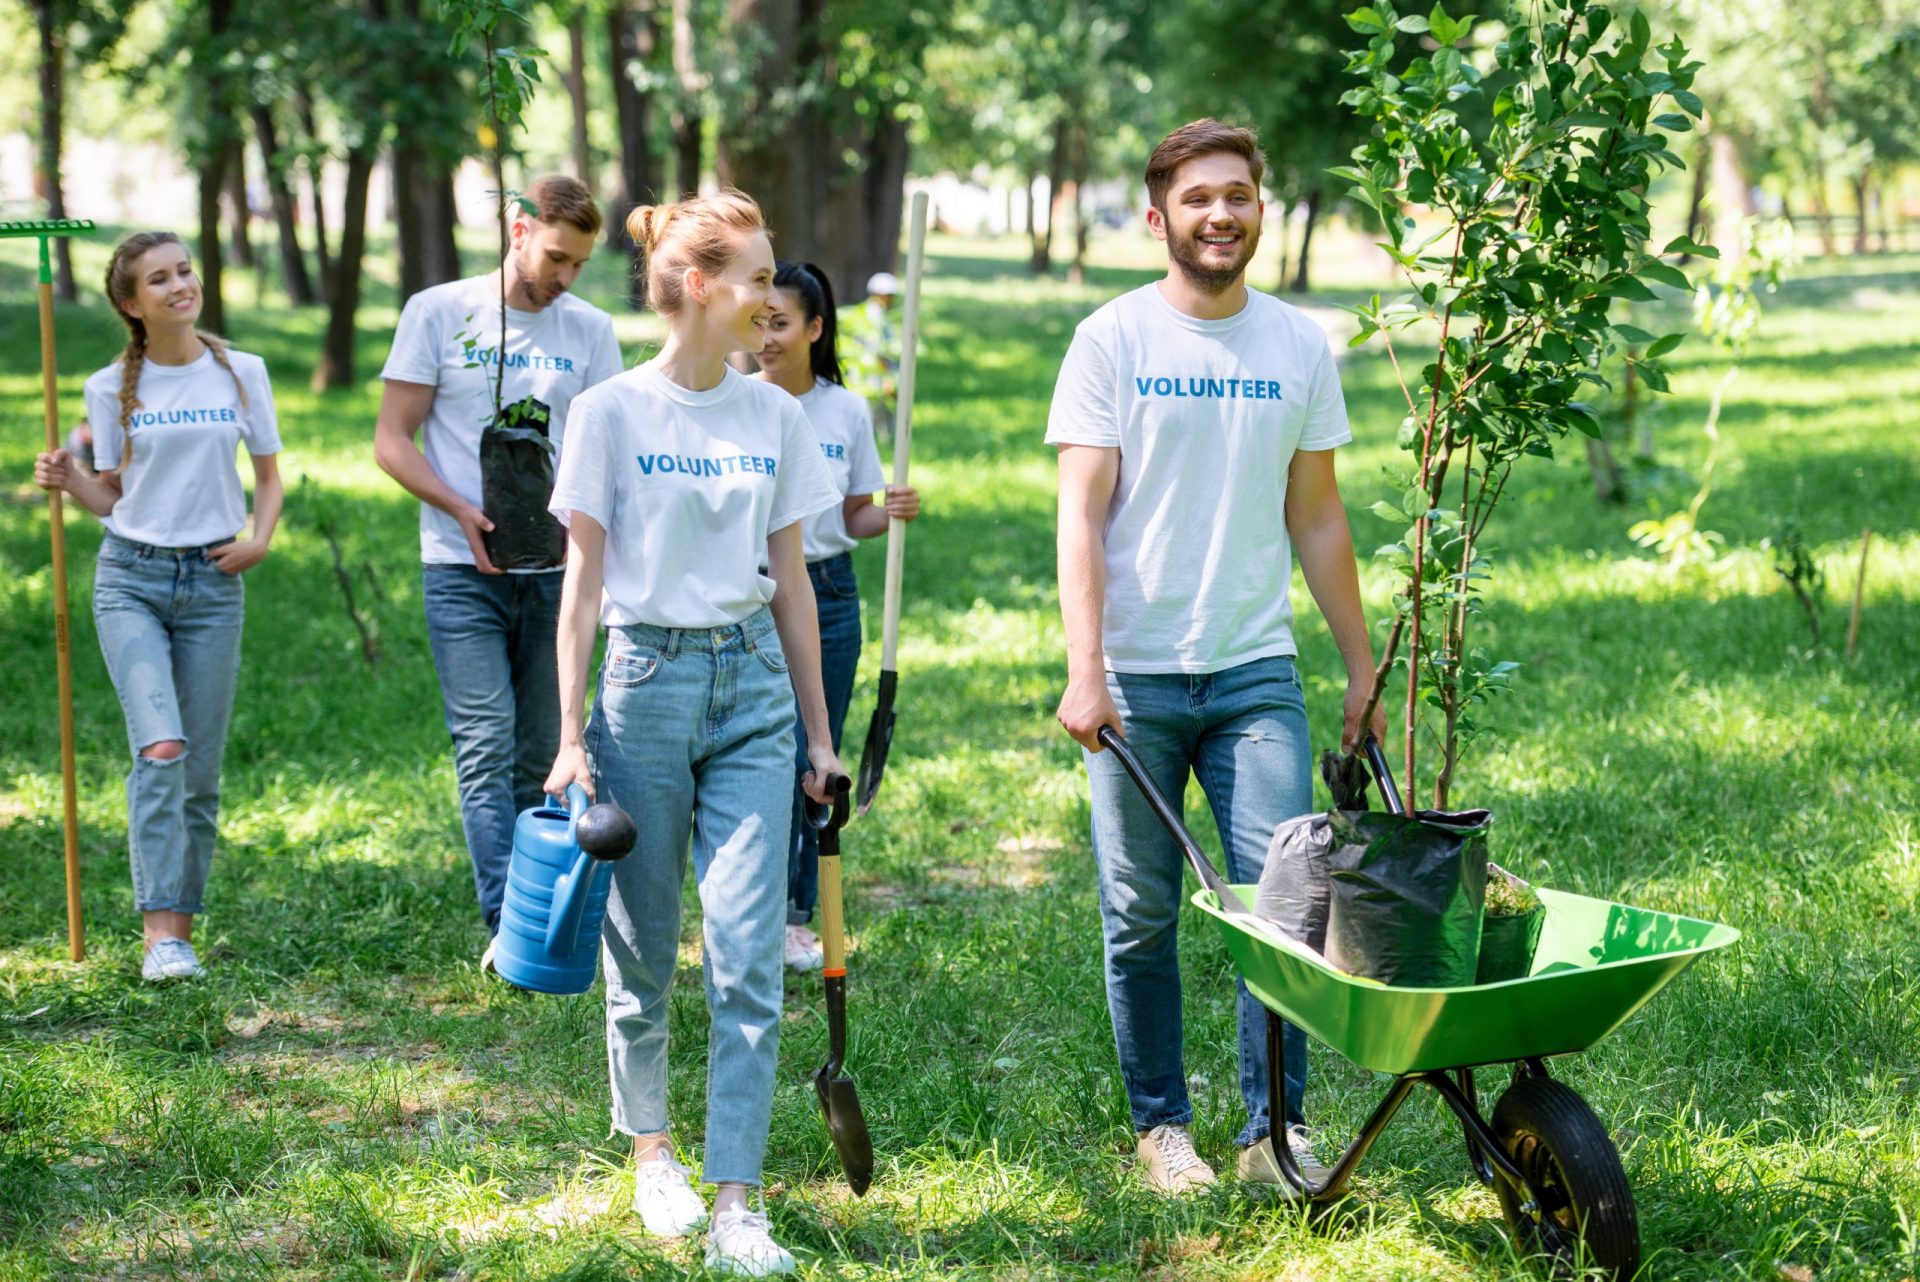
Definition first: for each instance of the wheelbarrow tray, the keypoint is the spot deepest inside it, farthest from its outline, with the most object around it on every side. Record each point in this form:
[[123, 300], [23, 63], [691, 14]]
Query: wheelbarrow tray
[[1598, 962]]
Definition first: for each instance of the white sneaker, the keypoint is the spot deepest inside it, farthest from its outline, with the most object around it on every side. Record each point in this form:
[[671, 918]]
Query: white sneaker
[[170, 959], [741, 1244], [666, 1202], [1168, 1161], [486, 958], [1258, 1166], [803, 952]]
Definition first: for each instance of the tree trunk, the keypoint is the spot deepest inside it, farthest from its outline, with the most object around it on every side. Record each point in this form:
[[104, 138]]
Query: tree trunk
[[1607, 486], [636, 180], [1862, 188], [316, 185], [1732, 197], [335, 370], [404, 164], [1036, 248], [756, 152], [1300, 282], [443, 222], [241, 214], [1285, 228], [52, 118], [1042, 261], [293, 263], [688, 122], [576, 78], [1077, 270], [213, 312]]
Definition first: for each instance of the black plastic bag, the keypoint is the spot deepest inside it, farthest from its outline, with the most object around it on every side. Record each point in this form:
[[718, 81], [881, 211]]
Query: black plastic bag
[[1294, 885], [1405, 895], [516, 483]]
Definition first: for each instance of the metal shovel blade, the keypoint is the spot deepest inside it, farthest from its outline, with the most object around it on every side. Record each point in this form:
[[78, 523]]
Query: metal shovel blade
[[873, 757], [848, 1126]]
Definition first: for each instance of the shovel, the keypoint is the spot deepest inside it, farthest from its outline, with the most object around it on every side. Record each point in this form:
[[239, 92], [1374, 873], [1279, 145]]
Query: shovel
[[873, 758], [838, 1101], [45, 230]]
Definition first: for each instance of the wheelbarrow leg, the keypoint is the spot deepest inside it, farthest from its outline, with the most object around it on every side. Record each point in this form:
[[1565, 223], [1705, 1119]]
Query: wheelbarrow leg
[[1336, 1182]]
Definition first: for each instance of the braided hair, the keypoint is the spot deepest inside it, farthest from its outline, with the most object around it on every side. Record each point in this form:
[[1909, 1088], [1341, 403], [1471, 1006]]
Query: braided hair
[[122, 283], [809, 284]]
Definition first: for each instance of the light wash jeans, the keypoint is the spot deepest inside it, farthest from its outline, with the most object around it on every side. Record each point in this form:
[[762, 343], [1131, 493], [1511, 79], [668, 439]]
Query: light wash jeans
[[169, 624], [493, 647], [837, 595], [1243, 732], [692, 732]]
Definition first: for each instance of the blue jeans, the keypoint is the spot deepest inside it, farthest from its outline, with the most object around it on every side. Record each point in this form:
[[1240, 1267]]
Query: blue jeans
[[169, 623], [692, 732], [838, 597], [493, 647], [1243, 732]]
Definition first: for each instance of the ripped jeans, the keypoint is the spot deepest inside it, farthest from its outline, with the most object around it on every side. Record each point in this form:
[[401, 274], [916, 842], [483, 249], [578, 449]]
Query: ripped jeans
[[169, 624]]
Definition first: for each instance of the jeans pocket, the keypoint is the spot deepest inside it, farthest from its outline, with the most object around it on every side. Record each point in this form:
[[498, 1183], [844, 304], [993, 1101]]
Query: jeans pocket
[[772, 656], [629, 668], [840, 582]]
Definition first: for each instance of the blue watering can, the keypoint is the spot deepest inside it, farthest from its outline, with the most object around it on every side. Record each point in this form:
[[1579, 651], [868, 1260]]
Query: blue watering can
[[557, 884]]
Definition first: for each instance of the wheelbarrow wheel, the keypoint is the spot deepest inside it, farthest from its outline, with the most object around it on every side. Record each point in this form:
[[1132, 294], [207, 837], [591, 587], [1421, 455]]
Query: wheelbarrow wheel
[[1576, 1207]]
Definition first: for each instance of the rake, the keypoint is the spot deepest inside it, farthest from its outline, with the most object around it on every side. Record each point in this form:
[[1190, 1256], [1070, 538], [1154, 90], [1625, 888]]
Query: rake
[[45, 230]]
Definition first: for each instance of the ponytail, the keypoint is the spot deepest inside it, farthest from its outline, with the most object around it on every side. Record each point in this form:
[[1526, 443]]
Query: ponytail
[[810, 285]]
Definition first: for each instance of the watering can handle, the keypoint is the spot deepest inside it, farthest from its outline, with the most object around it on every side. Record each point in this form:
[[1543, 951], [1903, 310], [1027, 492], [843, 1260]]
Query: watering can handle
[[575, 804]]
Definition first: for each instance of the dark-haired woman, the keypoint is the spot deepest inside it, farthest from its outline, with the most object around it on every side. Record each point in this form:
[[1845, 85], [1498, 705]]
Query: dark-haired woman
[[800, 354], [167, 418]]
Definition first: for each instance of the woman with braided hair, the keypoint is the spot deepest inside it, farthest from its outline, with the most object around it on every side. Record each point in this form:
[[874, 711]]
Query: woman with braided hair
[[168, 604]]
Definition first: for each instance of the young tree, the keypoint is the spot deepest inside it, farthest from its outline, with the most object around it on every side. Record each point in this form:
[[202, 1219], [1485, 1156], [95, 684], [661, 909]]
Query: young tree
[[1531, 179]]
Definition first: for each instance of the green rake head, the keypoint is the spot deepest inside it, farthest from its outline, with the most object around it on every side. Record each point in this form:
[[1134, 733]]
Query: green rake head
[[46, 229]]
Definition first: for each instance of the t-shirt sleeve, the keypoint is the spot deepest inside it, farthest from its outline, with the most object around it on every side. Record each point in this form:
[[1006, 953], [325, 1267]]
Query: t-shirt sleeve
[[604, 362], [1326, 425], [103, 416], [802, 485], [866, 475], [415, 355], [1084, 411], [260, 429], [584, 481]]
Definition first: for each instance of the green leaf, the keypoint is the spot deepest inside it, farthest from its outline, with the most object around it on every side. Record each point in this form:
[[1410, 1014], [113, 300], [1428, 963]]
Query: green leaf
[[1686, 245], [1689, 102], [1664, 345], [1628, 287], [1653, 376], [1366, 19], [1633, 333], [1667, 275], [1387, 512], [1673, 121], [1590, 120], [1413, 24]]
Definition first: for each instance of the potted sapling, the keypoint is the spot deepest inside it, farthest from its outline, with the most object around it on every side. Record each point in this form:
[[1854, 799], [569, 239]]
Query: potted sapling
[[1510, 929]]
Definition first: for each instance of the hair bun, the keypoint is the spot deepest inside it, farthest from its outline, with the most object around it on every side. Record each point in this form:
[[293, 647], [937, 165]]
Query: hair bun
[[647, 223]]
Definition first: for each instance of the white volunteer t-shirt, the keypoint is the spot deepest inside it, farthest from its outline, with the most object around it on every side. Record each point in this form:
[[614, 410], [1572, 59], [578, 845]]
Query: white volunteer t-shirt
[[1207, 415], [554, 355], [844, 424], [687, 486], [181, 487]]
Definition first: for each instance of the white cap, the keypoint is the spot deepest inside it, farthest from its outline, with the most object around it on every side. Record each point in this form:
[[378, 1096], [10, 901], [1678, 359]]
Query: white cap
[[882, 283]]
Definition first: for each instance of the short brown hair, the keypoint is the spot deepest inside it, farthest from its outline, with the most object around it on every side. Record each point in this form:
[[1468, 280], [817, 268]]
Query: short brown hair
[[560, 199], [703, 232], [1199, 138]]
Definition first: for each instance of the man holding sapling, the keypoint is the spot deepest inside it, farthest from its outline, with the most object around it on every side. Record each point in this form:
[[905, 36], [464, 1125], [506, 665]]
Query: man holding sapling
[[493, 629], [1196, 421]]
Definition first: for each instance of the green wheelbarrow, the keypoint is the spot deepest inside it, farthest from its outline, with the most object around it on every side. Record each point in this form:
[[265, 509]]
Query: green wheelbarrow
[[1544, 1152]]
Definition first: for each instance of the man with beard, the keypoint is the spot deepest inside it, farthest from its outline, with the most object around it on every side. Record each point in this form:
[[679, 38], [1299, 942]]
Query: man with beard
[[1196, 421], [493, 631]]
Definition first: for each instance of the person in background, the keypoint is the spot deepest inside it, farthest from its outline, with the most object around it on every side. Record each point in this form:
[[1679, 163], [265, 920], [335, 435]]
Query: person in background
[[492, 631], [800, 355], [874, 359], [168, 602]]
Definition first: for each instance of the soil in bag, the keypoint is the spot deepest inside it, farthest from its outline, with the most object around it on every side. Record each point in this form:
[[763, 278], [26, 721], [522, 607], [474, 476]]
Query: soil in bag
[[516, 482], [1405, 895]]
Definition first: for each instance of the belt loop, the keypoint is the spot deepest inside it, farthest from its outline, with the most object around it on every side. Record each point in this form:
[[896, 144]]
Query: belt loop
[[673, 643]]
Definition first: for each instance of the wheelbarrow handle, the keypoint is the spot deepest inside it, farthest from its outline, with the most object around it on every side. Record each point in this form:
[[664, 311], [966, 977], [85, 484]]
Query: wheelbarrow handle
[[1196, 858], [1383, 774]]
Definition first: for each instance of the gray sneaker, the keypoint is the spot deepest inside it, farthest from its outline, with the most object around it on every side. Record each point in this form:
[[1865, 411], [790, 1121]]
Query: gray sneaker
[[170, 959]]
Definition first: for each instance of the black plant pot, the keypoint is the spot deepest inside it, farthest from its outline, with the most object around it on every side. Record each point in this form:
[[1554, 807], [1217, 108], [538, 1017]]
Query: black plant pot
[[1507, 943]]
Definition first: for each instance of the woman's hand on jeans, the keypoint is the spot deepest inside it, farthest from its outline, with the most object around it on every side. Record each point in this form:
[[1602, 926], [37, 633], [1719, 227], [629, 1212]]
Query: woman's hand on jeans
[[570, 767], [826, 764], [239, 556]]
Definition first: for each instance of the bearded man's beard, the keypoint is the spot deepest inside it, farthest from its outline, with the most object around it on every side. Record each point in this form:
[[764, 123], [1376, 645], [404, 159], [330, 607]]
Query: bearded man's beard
[[1211, 278]]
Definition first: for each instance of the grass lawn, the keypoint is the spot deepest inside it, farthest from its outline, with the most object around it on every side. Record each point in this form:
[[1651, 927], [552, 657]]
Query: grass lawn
[[347, 1098]]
